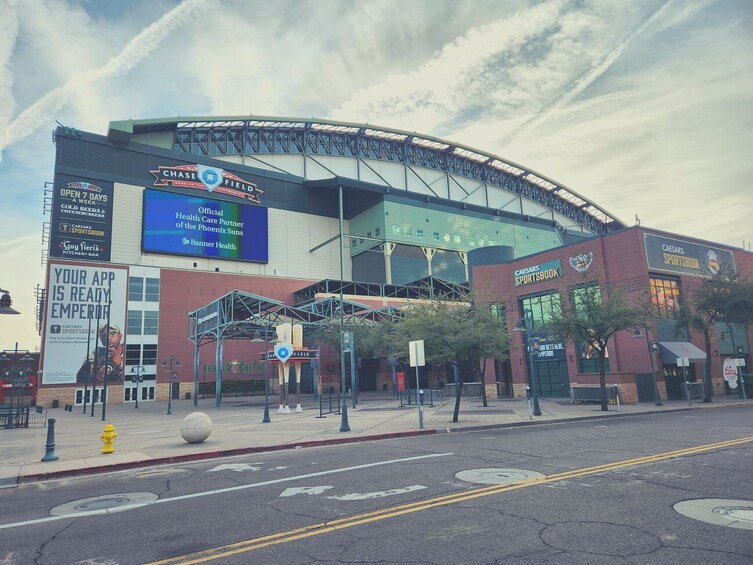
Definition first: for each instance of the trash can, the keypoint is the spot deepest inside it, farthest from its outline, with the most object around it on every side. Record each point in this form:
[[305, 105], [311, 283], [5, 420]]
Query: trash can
[[55, 403]]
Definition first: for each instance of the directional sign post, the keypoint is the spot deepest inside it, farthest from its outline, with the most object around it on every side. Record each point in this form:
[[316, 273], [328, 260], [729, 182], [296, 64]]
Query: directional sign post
[[417, 359], [685, 362]]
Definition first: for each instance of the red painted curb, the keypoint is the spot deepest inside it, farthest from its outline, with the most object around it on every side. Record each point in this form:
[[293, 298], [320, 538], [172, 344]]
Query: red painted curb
[[213, 455]]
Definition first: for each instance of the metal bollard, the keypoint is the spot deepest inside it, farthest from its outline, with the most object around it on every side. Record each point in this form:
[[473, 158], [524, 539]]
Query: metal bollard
[[49, 454]]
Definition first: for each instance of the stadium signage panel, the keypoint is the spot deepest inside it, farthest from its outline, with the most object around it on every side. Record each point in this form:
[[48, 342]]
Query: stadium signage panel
[[81, 225], [81, 300], [541, 349], [198, 227], [211, 179], [537, 273], [682, 257]]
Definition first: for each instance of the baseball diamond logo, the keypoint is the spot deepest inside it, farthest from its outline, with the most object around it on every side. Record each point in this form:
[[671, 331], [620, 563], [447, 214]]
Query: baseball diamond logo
[[211, 179]]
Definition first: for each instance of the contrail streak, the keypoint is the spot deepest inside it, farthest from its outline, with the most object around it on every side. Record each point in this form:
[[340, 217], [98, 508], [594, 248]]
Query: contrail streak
[[131, 55], [8, 35], [588, 78]]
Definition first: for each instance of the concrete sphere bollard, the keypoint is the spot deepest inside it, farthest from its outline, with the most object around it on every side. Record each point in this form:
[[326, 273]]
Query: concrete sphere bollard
[[196, 427]]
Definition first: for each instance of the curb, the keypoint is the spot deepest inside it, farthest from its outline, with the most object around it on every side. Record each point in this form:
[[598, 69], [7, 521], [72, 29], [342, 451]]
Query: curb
[[22, 479], [697, 406], [142, 463]]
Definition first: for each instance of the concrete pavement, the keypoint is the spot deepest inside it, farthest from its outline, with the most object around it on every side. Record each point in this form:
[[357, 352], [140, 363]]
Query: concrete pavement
[[148, 436]]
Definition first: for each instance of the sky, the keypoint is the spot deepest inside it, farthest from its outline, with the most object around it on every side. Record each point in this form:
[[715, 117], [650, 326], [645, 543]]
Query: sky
[[644, 107]]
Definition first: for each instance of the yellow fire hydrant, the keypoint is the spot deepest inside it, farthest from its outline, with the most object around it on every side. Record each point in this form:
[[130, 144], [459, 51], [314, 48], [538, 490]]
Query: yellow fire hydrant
[[107, 437]]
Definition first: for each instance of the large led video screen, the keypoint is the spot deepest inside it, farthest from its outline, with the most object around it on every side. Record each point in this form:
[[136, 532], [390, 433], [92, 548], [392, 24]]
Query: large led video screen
[[199, 227]]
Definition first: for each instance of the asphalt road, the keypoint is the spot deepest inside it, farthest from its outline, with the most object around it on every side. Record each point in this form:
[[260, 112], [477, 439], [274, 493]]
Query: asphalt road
[[605, 490]]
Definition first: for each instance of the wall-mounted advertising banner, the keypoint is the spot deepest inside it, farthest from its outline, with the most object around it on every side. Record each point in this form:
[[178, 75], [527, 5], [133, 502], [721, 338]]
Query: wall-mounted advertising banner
[[81, 224], [538, 273], [544, 350], [199, 227], [211, 179], [682, 257], [79, 301]]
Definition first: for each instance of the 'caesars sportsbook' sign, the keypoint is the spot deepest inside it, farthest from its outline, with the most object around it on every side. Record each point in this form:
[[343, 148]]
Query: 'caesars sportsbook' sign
[[682, 257], [538, 273]]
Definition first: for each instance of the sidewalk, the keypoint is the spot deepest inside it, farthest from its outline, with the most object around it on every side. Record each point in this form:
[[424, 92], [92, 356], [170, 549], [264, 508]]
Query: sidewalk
[[148, 436]]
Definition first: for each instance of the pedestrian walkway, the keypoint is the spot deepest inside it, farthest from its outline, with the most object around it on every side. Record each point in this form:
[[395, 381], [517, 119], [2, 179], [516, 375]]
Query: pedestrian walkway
[[148, 436]]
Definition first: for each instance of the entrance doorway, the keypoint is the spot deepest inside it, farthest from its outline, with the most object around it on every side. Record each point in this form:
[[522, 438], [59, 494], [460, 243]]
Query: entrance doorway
[[551, 378], [367, 375], [674, 380]]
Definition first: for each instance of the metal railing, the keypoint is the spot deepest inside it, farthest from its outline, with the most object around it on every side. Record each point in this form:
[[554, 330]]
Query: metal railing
[[325, 404]]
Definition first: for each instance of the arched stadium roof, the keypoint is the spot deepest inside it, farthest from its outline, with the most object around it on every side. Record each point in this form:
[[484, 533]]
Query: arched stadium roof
[[257, 135]]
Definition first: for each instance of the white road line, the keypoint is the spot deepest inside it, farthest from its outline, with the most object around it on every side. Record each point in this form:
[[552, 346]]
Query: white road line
[[220, 491], [379, 494]]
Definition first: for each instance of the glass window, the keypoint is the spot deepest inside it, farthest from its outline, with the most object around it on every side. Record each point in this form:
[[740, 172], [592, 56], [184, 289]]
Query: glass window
[[472, 241], [133, 354], [582, 293], [419, 234], [408, 231], [152, 290], [368, 234], [538, 309], [588, 360], [133, 325], [353, 242], [665, 296], [395, 229], [149, 356], [481, 242], [456, 238], [377, 232], [151, 323], [435, 236], [499, 311], [135, 288]]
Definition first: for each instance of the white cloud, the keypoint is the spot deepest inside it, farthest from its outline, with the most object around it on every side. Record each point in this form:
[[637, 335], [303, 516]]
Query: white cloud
[[640, 108], [135, 51]]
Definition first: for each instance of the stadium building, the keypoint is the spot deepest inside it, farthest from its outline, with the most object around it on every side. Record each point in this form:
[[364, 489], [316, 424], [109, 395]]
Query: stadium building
[[647, 364], [161, 219]]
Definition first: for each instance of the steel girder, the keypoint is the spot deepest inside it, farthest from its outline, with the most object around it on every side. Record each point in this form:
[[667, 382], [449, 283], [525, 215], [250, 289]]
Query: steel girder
[[303, 138], [238, 315], [426, 288]]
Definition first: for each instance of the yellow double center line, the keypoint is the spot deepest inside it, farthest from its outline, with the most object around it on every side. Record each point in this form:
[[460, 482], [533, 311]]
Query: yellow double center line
[[393, 511]]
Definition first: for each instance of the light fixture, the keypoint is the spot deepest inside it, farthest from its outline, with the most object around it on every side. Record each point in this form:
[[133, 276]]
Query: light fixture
[[5, 303]]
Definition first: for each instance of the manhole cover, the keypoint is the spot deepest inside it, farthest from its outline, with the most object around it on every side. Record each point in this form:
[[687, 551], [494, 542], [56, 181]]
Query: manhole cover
[[719, 511], [497, 476], [106, 503], [744, 513]]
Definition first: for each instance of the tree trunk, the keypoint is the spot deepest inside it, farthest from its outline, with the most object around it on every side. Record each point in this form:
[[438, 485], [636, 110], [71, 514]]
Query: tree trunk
[[707, 376], [603, 380], [483, 383], [458, 394]]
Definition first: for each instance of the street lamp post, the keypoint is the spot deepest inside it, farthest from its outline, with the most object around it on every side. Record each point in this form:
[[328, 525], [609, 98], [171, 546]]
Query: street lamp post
[[16, 380], [344, 426], [266, 419], [522, 326], [652, 348], [174, 361], [137, 378]]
